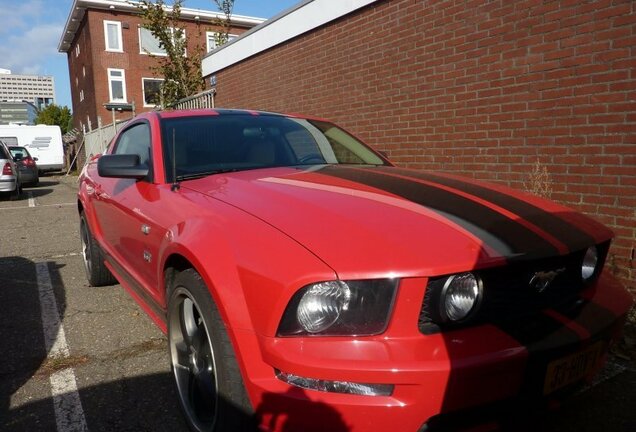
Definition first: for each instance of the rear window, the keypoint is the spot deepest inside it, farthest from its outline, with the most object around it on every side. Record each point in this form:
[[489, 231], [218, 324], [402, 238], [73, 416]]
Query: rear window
[[4, 154], [19, 151]]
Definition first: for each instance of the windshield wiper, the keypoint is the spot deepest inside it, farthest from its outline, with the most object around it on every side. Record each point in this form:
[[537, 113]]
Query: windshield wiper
[[205, 174]]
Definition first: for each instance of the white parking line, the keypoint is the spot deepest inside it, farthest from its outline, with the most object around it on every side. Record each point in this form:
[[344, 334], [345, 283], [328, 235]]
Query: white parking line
[[31, 200], [39, 205], [69, 414]]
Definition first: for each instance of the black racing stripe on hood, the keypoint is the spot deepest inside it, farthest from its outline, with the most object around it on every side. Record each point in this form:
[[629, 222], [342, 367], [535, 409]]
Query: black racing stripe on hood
[[573, 238], [509, 238]]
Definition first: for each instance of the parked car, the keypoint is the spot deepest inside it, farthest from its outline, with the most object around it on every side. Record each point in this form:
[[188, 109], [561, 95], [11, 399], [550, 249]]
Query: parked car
[[26, 165], [305, 283], [10, 175], [43, 142]]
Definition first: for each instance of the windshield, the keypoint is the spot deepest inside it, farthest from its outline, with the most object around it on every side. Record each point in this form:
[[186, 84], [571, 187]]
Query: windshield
[[207, 145]]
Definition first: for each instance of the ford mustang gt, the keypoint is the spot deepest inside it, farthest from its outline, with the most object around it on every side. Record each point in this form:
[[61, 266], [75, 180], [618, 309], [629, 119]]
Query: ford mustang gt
[[305, 283]]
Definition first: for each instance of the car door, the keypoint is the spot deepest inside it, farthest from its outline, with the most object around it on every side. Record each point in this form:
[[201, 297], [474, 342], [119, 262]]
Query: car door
[[127, 210]]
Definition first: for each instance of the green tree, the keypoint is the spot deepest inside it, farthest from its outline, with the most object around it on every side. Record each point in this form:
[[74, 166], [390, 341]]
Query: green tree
[[180, 69], [224, 24], [56, 115]]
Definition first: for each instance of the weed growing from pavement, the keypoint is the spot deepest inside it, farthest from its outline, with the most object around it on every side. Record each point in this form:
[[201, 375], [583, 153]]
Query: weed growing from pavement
[[56, 364]]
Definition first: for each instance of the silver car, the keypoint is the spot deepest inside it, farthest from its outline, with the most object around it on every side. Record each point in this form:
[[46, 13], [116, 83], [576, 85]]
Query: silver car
[[9, 174]]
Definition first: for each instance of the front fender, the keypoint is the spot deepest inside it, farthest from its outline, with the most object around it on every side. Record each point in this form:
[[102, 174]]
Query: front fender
[[251, 268]]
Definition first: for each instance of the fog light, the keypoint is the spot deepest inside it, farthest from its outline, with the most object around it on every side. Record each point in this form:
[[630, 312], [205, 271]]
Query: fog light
[[460, 296], [590, 261], [336, 386]]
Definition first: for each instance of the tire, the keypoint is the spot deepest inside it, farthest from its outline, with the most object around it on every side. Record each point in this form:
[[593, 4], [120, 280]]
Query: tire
[[96, 271], [15, 195], [207, 377]]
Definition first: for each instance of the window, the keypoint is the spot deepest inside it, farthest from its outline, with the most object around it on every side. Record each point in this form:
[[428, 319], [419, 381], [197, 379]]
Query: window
[[152, 91], [213, 37], [112, 36], [84, 71], [148, 44], [135, 140], [77, 50], [81, 95], [117, 85]]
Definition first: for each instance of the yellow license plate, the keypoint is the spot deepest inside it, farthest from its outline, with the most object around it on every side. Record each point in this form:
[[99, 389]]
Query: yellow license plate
[[567, 370]]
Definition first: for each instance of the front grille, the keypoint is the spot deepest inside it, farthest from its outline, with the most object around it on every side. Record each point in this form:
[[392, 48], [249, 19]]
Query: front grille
[[508, 295]]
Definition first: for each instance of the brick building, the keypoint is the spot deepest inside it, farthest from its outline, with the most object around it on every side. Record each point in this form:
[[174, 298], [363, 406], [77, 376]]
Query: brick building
[[480, 88], [108, 55]]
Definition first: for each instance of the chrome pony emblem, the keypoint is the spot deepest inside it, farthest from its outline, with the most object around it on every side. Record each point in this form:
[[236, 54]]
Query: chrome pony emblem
[[541, 280]]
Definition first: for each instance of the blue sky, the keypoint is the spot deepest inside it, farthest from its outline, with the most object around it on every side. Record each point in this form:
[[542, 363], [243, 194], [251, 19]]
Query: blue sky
[[30, 31]]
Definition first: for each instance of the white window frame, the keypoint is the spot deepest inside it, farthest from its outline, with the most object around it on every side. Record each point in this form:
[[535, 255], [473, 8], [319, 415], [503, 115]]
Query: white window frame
[[143, 90], [110, 87], [119, 36], [144, 52], [212, 34]]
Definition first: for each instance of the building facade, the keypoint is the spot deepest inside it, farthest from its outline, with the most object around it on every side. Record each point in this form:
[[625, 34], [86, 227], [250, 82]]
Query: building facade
[[36, 89], [17, 112], [111, 56], [487, 89]]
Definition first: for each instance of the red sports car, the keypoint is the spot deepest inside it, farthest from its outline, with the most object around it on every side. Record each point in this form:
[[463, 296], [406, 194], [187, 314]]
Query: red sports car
[[305, 283]]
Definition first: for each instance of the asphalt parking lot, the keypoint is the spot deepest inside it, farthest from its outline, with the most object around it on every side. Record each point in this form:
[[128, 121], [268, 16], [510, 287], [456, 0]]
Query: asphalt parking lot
[[110, 371]]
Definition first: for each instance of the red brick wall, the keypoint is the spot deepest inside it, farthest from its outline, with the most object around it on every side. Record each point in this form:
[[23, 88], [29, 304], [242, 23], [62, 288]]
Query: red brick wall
[[94, 57], [482, 88]]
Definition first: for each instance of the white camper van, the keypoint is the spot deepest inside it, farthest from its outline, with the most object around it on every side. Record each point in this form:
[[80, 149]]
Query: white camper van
[[43, 142]]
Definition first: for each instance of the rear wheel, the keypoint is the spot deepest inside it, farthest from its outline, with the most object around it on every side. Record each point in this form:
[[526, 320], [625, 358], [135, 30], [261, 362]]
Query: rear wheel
[[15, 195], [208, 380], [96, 271]]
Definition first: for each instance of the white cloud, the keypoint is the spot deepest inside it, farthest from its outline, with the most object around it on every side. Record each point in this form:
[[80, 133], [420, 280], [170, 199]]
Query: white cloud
[[29, 52], [16, 18]]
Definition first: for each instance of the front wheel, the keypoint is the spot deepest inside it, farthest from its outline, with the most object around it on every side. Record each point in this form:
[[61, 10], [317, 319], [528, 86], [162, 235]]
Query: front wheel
[[208, 380]]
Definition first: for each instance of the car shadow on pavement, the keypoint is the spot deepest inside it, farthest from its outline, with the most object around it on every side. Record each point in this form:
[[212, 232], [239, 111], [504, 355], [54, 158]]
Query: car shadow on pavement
[[35, 193], [45, 183], [149, 403], [22, 342]]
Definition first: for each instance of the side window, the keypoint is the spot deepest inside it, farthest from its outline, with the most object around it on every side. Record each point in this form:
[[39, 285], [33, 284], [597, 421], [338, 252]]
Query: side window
[[135, 140]]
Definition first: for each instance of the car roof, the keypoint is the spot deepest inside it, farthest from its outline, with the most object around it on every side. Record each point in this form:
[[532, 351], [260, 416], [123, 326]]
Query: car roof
[[162, 115]]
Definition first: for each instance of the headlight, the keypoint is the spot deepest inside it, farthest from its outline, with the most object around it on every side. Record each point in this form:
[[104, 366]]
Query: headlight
[[321, 305], [460, 296], [333, 308], [590, 262]]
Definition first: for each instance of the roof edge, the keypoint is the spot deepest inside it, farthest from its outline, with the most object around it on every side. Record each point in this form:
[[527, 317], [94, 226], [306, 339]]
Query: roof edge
[[79, 7], [295, 21]]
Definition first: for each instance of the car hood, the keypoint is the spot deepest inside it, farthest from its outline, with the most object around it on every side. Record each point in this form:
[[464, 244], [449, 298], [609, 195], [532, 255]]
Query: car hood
[[377, 221]]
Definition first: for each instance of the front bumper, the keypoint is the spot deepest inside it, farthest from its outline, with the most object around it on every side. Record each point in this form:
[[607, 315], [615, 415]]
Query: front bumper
[[434, 375]]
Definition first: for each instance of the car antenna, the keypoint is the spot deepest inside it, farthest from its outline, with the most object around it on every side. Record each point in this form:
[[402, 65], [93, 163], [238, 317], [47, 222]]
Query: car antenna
[[175, 184]]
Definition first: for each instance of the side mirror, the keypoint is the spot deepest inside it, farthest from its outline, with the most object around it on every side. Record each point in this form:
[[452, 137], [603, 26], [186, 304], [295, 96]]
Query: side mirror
[[121, 166], [35, 159]]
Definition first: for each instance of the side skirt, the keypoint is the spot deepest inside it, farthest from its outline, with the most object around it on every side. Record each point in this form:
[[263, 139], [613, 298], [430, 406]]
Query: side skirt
[[147, 303]]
